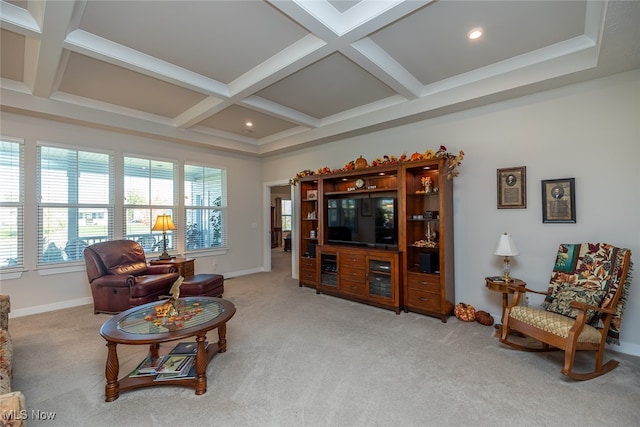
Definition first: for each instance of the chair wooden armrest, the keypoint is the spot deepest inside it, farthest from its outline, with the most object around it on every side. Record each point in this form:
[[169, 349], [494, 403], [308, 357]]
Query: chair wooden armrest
[[519, 290], [579, 305], [523, 289]]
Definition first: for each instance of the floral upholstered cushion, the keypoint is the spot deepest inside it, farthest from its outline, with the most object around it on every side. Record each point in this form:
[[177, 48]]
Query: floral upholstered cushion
[[565, 293]]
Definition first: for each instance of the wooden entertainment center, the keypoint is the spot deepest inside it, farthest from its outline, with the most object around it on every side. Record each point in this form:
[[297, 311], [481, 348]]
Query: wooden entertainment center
[[381, 235]]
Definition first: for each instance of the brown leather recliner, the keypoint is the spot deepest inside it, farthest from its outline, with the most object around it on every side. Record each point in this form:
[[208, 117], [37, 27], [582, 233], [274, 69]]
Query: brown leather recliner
[[120, 277]]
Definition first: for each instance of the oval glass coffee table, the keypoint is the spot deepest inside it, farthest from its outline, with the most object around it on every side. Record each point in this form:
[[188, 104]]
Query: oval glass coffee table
[[142, 325]]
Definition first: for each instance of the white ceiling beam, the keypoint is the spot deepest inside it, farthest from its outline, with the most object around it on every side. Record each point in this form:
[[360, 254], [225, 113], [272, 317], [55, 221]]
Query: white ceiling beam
[[368, 55], [118, 119], [274, 109], [90, 45], [19, 20], [202, 110], [291, 59], [43, 57]]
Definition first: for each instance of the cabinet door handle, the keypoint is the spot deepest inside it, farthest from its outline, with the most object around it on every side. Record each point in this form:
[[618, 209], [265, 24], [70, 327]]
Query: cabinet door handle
[[422, 282], [423, 299]]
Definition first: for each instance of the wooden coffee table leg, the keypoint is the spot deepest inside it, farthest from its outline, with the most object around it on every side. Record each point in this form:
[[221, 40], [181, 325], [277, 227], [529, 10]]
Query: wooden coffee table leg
[[201, 365], [153, 350], [112, 389], [222, 338]]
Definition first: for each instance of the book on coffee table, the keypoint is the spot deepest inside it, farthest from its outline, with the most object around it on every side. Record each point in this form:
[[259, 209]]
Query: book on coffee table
[[173, 364], [148, 366], [188, 348], [188, 371]]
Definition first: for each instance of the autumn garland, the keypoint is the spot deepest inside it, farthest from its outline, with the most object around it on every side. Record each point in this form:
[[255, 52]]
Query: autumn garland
[[453, 162]]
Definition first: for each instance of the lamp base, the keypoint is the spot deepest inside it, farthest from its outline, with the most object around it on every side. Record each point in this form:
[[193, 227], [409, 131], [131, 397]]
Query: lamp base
[[164, 256]]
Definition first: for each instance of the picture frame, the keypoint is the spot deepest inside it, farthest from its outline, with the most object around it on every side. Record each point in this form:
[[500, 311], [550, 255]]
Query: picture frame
[[558, 200], [312, 194], [512, 188]]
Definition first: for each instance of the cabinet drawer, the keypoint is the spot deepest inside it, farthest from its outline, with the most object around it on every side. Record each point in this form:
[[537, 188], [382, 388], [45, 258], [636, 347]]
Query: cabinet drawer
[[308, 275], [352, 259], [352, 287], [424, 282], [308, 263], [350, 273], [423, 300]]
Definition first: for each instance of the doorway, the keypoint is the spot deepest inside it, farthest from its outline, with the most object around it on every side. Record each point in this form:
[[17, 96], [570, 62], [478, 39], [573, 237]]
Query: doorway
[[278, 224]]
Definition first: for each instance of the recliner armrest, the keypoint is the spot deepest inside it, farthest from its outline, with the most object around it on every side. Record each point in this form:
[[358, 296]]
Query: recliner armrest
[[115, 280]]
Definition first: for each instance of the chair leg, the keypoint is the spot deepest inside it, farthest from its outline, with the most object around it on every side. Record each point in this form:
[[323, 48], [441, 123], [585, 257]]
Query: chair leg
[[607, 367], [599, 368]]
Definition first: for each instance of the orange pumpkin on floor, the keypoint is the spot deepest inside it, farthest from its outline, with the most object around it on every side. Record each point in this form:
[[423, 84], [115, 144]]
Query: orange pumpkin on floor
[[465, 312]]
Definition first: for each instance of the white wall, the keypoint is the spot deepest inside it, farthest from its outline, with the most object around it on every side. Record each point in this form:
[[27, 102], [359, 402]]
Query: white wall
[[34, 292], [588, 131]]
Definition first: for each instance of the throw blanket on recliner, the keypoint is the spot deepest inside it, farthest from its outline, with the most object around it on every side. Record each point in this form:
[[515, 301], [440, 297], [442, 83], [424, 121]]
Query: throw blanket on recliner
[[593, 266]]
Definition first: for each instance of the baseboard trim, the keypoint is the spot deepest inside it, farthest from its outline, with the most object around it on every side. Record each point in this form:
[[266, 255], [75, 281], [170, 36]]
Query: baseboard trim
[[51, 307]]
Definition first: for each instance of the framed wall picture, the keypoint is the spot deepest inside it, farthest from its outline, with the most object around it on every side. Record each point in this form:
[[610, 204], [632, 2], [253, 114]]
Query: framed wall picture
[[512, 188], [558, 200], [312, 194]]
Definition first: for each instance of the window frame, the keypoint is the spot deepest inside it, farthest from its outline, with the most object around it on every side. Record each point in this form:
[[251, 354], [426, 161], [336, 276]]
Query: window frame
[[109, 206], [211, 250], [13, 271], [157, 246]]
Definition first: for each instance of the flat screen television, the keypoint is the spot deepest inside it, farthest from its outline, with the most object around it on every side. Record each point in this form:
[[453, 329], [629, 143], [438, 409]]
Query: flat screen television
[[369, 221]]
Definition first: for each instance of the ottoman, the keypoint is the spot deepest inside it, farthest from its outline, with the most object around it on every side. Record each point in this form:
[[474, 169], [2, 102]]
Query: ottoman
[[202, 285]]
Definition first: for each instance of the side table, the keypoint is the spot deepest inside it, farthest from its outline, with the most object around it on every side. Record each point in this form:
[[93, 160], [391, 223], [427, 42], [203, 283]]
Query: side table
[[497, 284], [184, 266]]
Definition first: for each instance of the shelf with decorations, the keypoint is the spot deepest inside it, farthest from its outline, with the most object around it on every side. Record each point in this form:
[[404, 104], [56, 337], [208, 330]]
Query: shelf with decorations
[[427, 242], [309, 220]]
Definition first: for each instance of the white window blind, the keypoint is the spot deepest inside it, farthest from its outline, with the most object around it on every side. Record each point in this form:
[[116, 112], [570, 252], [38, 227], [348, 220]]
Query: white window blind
[[11, 204], [149, 191], [286, 215], [75, 202], [205, 194]]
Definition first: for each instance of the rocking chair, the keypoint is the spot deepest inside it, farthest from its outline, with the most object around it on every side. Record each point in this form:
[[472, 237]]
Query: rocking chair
[[582, 309]]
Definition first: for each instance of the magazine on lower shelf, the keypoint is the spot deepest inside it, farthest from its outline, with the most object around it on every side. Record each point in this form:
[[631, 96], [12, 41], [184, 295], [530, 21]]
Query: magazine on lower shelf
[[188, 370], [174, 364], [147, 367], [187, 347], [177, 364]]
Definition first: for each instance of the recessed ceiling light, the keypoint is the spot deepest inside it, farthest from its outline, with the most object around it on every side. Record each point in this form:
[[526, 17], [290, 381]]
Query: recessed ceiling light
[[249, 124], [474, 34]]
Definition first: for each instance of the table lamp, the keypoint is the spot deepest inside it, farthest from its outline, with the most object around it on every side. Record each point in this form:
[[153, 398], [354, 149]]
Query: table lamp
[[506, 248], [164, 223]]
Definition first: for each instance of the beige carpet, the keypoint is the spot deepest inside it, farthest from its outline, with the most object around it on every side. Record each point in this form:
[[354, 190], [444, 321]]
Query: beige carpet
[[299, 359]]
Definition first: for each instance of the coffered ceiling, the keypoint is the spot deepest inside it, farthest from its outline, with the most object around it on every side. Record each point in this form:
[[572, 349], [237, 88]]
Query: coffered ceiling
[[302, 72]]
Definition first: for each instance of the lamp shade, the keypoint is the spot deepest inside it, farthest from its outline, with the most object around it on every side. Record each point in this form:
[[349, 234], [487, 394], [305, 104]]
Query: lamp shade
[[506, 247], [163, 223]]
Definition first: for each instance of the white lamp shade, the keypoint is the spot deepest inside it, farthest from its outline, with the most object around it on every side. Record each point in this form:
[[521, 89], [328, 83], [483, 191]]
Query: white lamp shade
[[506, 247]]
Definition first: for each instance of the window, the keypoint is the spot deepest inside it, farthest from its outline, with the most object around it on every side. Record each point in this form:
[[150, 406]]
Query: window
[[205, 194], [149, 191], [11, 204], [286, 215], [75, 202]]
